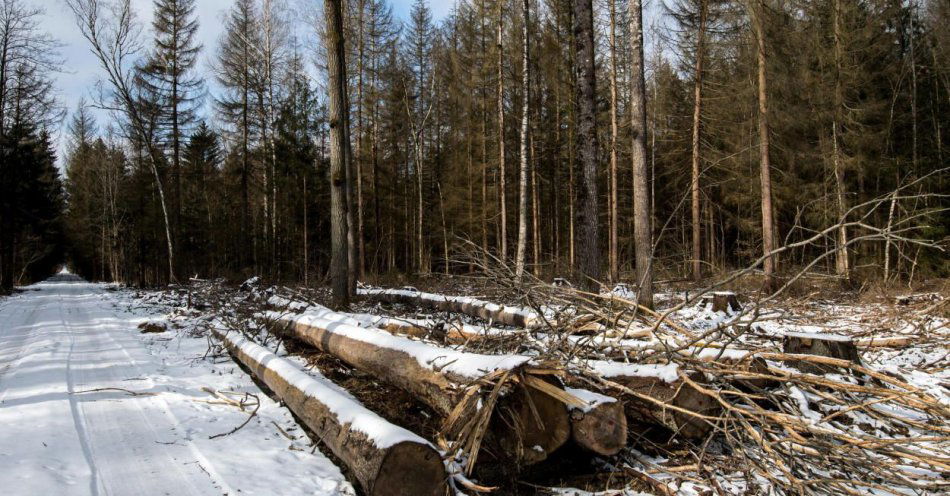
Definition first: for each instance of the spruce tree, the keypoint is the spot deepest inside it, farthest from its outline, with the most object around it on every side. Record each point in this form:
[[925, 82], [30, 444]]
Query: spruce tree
[[169, 78]]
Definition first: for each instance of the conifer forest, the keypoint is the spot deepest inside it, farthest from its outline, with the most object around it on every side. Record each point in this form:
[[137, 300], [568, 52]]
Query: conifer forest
[[573, 247]]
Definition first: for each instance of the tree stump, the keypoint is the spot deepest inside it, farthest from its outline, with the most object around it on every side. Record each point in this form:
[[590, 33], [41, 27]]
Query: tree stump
[[826, 345], [722, 301]]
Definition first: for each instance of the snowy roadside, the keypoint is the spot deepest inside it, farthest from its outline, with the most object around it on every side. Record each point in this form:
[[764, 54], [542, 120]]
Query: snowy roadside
[[269, 455], [91, 403]]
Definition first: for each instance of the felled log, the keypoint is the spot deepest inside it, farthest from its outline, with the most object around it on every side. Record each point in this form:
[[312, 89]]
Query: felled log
[[722, 301], [826, 345], [436, 376], [507, 315], [386, 460], [662, 397], [885, 342]]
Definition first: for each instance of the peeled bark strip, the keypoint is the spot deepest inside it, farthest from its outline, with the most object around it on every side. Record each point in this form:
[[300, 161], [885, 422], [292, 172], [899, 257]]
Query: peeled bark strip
[[827, 345], [506, 315], [437, 376], [386, 460]]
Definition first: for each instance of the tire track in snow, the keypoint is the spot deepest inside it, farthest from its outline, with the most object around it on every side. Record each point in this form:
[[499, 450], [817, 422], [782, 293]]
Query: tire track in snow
[[74, 407]]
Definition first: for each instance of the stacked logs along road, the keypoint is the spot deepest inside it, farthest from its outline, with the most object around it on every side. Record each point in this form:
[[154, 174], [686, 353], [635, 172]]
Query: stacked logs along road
[[534, 415]]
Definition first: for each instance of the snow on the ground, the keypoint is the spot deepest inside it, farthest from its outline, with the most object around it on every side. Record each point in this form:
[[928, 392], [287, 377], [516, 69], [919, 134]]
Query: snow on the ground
[[90, 405]]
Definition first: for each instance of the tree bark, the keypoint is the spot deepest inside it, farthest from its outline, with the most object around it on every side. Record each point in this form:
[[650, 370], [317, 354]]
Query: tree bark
[[765, 166], [442, 390], [642, 227], [697, 111], [523, 177], [503, 197], [842, 266], [336, 67], [588, 233], [613, 254]]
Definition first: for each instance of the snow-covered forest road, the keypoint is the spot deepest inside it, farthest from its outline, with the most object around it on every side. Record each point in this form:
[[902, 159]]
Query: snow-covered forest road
[[89, 405]]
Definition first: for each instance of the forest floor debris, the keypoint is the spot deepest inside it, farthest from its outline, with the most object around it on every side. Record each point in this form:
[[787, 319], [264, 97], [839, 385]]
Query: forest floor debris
[[877, 426]]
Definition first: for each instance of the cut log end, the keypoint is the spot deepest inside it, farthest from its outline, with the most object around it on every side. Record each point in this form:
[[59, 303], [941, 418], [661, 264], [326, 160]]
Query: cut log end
[[601, 430], [410, 469], [531, 425]]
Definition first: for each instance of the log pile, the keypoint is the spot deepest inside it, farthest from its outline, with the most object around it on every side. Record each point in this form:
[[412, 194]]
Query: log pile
[[538, 419], [783, 413]]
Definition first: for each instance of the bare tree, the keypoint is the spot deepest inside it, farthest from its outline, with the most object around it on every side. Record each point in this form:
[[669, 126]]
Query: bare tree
[[588, 232], [502, 195], [113, 38], [27, 57], [695, 162], [765, 178], [339, 144], [523, 184], [613, 253], [642, 216]]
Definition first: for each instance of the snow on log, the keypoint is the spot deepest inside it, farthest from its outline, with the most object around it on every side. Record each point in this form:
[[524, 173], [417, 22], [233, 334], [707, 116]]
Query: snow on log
[[436, 376], [386, 460], [826, 345], [662, 396], [507, 315]]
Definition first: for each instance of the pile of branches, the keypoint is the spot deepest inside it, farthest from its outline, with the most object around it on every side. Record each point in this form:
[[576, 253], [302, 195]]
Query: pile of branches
[[789, 423]]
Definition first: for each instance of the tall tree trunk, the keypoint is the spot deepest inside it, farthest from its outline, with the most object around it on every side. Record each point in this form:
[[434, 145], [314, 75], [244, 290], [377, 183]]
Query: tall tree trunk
[[765, 179], [360, 237], [588, 236], [523, 177], [697, 111], [841, 253], [336, 68], [613, 254], [642, 216], [503, 197]]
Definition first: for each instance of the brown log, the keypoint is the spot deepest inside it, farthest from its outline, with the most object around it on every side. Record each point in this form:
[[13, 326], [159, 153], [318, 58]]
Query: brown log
[[827, 345], [406, 468], [677, 394], [442, 390]]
